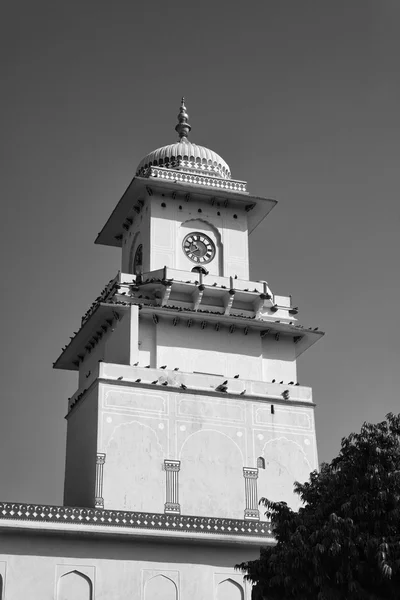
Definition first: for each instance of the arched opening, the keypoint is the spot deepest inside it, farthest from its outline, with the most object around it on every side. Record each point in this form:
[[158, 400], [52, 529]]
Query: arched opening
[[261, 462], [74, 586]]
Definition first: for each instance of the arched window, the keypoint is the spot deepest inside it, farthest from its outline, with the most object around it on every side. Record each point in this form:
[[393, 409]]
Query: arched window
[[138, 260], [260, 462]]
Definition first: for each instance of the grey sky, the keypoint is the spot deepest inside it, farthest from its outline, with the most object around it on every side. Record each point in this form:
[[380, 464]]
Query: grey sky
[[301, 98]]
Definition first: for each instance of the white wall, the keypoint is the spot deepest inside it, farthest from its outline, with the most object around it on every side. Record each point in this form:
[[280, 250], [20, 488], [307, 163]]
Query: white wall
[[41, 567], [230, 235], [213, 437], [209, 351], [80, 462]]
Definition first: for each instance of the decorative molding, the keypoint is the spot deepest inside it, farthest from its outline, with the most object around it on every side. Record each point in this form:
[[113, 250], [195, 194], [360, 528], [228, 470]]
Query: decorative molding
[[250, 482], [132, 520], [194, 178], [100, 460], [172, 468]]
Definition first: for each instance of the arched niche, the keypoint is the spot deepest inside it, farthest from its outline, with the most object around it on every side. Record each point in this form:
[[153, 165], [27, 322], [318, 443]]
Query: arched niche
[[160, 587], [74, 586], [230, 590], [211, 476], [285, 463], [136, 242], [215, 267]]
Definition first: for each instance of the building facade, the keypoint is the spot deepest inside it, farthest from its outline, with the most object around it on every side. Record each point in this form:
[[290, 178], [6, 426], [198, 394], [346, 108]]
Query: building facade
[[187, 411]]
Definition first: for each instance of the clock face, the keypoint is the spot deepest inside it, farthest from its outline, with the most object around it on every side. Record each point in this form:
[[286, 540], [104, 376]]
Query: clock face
[[199, 248], [137, 261]]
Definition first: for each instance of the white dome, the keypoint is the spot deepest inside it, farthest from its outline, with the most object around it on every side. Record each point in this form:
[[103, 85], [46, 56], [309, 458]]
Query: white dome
[[184, 155]]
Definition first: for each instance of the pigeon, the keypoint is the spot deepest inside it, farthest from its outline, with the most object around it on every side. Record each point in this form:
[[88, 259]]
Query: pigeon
[[315, 328], [147, 366], [183, 386], [236, 377], [136, 364], [119, 378], [154, 382], [281, 382], [221, 388], [165, 383], [297, 384], [176, 369], [163, 367], [138, 380], [273, 381], [291, 382], [235, 276], [242, 393], [225, 382]]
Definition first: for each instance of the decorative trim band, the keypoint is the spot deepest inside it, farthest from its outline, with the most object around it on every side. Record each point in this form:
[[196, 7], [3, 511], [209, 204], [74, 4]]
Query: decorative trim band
[[133, 520], [185, 177]]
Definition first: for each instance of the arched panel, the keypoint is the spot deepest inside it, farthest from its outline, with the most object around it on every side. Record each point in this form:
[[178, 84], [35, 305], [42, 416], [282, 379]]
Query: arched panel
[[74, 586], [211, 478], [160, 587], [285, 463], [133, 476], [230, 590]]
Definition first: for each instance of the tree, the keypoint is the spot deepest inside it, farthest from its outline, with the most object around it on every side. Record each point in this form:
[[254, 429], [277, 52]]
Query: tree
[[344, 543]]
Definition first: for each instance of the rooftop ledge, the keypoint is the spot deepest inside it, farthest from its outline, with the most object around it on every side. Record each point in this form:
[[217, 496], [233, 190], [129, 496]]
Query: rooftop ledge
[[77, 520], [132, 202], [193, 383]]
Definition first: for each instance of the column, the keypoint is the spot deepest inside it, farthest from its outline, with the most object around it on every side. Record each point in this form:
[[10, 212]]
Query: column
[[100, 460], [250, 485], [172, 468]]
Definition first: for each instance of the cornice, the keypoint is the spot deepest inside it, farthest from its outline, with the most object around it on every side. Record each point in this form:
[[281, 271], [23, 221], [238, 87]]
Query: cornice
[[44, 517]]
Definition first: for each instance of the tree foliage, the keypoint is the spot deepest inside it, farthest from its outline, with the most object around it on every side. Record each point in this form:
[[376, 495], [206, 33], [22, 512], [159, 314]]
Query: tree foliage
[[344, 543]]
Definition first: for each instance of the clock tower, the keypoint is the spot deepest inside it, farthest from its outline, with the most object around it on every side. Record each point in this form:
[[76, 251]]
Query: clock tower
[[188, 401], [188, 407]]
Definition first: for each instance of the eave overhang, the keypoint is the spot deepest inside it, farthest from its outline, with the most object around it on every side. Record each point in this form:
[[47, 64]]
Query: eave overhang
[[140, 187]]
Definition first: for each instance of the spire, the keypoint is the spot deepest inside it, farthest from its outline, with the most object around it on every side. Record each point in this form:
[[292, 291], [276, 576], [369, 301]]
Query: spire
[[183, 126]]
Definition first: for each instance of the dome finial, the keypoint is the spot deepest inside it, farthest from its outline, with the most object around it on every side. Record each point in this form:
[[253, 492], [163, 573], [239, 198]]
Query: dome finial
[[183, 126]]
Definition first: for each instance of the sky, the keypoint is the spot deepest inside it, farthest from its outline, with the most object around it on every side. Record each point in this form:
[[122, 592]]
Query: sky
[[301, 98]]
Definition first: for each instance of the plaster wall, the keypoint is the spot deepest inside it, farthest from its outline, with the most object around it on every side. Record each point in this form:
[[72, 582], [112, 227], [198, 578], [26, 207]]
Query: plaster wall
[[41, 567], [279, 359], [91, 361], [213, 437], [209, 351], [216, 352], [122, 343], [138, 233], [80, 462], [229, 233]]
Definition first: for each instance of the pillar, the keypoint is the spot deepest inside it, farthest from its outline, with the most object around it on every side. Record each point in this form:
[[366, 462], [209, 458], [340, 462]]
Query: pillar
[[100, 460], [172, 468], [250, 485]]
